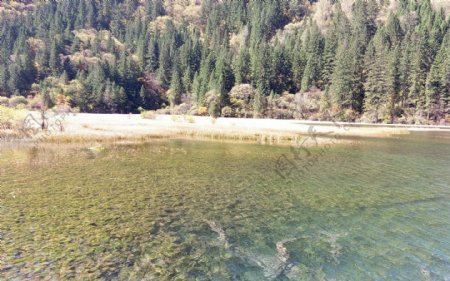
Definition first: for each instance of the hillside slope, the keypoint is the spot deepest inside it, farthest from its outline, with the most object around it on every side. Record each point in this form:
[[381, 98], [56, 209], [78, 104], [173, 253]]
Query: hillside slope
[[374, 61]]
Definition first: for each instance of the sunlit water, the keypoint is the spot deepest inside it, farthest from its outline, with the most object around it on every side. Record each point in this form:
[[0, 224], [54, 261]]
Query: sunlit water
[[183, 210]]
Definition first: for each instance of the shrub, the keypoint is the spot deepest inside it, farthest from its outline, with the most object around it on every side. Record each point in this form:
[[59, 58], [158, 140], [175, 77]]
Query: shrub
[[4, 101], [350, 115], [241, 99], [202, 111], [308, 103], [17, 100], [148, 114], [181, 109], [212, 101], [36, 103], [164, 111], [447, 119], [75, 110], [11, 118], [227, 111], [193, 110], [281, 107]]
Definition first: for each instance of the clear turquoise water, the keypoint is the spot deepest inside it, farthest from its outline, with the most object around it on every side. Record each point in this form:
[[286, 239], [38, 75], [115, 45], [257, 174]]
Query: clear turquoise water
[[182, 210]]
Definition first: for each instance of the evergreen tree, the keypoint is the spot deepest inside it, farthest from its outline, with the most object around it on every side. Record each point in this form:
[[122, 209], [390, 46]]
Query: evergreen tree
[[14, 78], [143, 96], [378, 84], [176, 87], [165, 66], [54, 62], [152, 57], [299, 62], [438, 81], [314, 47], [343, 80], [4, 78], [241, 67], [263, 71], [420, 63], [281, 76]]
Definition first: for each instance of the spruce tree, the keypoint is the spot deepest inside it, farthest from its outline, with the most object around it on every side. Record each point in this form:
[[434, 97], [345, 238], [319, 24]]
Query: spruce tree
[[3, 79], [176, 87], [314, 48], [143, 96], [420, 63], [378, 84], [438, 82], [343, 79], [165, 66]]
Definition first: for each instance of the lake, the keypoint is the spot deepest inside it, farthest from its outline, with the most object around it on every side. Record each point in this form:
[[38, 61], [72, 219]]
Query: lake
[[372, 209]]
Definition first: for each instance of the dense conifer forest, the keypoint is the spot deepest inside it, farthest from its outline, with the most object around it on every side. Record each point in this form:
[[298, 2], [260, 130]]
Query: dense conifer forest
[[364, 60]]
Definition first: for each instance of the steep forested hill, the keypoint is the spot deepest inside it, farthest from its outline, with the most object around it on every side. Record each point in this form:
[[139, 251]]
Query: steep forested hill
[[376, 61]]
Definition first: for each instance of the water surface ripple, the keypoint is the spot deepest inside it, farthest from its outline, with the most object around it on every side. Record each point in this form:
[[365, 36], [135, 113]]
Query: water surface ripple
[[185, 210]]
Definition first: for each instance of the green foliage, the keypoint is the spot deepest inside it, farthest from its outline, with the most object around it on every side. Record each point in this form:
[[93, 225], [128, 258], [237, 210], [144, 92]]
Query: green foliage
[[212, 102], [117, 56], [176, 87], [11, 118], [15, 101], [241, 100]]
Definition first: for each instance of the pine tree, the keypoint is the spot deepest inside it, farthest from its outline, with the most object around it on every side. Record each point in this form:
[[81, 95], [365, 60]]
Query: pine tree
[[201, 84], [119, 98], [328, 59], [91, 13], [152, 57], [143, 96], [420, 64], [223, 79], [81, 16], [157, 9], [108, 97], [14, 78], [263, 71], [258, 103], [438, 82], [314, 49], [378, 84], [299, 62], [281, 75], [54, 62], [165, 66], [241, 67], [176, 87], [3, 79], [187, 80], [393, 30], [394, 82], [363, 29], [196, 89], [343, 80], [405, 70]]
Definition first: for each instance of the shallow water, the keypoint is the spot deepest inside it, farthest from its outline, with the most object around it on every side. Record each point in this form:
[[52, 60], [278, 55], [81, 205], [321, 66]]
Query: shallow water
[[184, 210]]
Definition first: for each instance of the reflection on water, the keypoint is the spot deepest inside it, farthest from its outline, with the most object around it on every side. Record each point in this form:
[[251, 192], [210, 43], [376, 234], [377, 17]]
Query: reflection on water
[[183, 210]]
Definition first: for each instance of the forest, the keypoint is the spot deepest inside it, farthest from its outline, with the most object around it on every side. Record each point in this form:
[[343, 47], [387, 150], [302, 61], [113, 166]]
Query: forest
[[358, 61]]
